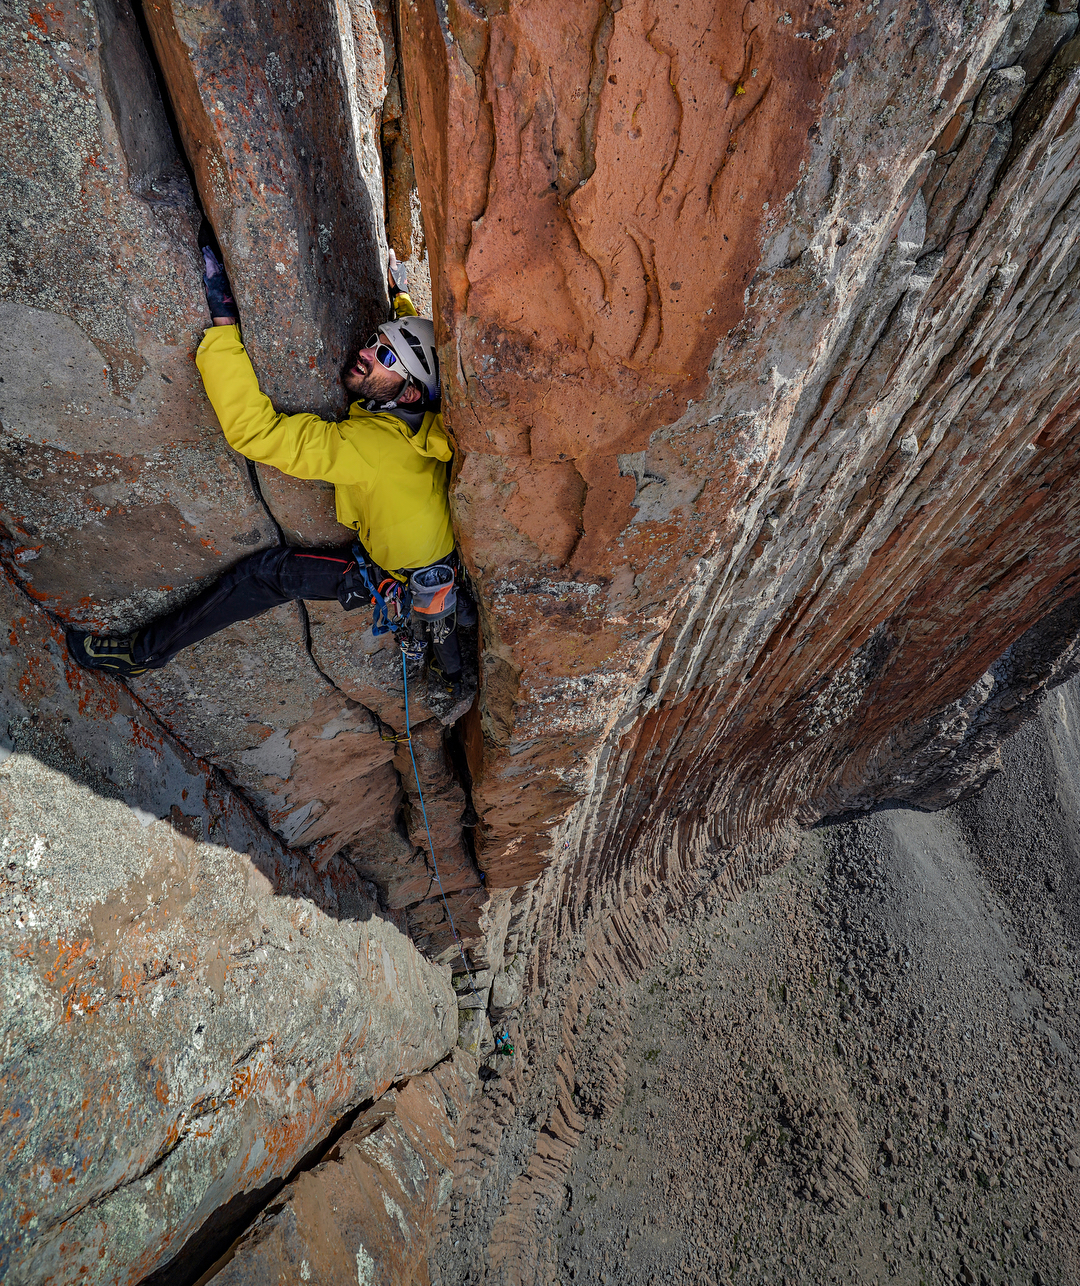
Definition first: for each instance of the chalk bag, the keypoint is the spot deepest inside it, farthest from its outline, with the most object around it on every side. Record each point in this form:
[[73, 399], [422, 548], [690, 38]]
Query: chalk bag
[[434, 597]]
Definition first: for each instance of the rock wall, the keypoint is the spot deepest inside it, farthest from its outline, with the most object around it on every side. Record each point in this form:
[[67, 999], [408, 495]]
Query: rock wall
[[189, 1007], [367, 1211], [760, 329], [759, 335], [758, 344], [119, 496], [199, 1049]]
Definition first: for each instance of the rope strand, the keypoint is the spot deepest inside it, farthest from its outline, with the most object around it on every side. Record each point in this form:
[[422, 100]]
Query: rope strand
[[431, 847]]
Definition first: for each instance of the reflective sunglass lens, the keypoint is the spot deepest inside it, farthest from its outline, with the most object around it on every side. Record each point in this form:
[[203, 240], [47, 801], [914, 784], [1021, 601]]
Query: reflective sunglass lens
[[385, 355]]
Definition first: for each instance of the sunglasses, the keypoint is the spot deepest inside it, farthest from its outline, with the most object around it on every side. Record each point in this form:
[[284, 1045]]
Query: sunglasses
[[383, 355]]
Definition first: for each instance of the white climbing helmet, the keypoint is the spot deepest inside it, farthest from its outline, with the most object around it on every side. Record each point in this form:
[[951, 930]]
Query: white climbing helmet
[[413, 340]]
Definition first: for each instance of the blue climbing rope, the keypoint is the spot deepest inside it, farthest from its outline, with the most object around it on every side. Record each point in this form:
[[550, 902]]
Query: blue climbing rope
[[431, 846]]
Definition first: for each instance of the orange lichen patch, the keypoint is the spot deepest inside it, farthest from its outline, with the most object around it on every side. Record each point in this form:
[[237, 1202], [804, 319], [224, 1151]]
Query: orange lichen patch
[[32, 679], [68, 954], [142, 735], [96, 696]]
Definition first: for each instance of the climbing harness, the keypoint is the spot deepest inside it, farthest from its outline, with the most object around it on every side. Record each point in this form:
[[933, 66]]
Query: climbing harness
[[365, 583], [407, 739], [428, 597]]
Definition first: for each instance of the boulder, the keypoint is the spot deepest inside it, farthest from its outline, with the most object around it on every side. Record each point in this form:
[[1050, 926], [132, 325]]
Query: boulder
[[366, 1212], [506, 988], [191, 1007]]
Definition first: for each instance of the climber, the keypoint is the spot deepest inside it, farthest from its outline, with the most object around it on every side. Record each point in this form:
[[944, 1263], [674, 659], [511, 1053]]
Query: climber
[[389, 461]]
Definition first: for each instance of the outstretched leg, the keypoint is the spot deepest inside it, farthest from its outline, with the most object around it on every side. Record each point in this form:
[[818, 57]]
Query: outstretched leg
[[253, 586]]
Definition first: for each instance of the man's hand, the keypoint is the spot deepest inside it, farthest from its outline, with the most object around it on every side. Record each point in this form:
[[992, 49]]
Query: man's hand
[[219, 296], [397, 276]]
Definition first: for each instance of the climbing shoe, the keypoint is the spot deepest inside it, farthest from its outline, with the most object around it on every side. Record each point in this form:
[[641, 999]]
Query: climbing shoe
[[449, 684], [449, 696], [111, 652]]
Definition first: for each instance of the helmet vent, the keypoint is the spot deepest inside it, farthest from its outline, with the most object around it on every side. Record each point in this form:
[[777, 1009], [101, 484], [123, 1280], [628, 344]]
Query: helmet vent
[[417, 347]]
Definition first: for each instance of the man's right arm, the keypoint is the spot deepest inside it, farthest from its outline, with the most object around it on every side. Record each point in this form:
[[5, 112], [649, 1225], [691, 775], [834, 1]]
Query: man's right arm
[[303, 446]]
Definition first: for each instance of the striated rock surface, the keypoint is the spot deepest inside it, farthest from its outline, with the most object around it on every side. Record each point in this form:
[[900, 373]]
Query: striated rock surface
[[762, 364], [760, 328], [189, 1006]]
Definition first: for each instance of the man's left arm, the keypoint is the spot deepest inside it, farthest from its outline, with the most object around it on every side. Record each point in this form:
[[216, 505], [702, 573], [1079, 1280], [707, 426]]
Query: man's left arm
[[397, 281]]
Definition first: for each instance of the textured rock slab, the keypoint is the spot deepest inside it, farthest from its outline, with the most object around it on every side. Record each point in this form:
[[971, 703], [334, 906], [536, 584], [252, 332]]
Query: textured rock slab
[[188, 1006], [116, 486], [307, 756], [367, 1212], [277, 123]]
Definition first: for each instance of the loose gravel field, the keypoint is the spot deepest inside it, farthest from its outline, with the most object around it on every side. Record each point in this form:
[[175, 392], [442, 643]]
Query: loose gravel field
[[864, 1070]]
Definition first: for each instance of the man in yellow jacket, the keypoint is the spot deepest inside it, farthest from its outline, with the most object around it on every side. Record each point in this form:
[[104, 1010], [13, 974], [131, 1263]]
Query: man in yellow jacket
[[389, 462]]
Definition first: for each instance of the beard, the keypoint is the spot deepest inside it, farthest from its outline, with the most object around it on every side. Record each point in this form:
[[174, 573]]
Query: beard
[[371, 382]]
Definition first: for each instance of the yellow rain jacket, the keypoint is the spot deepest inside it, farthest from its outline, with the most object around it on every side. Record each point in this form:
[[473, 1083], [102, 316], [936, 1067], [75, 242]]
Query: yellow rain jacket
[[390, 486]]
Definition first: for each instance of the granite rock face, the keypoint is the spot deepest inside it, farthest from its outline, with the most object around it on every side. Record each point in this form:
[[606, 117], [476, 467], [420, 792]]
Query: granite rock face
[[189, 1006]]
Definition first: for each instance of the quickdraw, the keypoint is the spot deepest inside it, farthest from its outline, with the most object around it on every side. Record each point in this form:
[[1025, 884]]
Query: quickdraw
[[391, 600]]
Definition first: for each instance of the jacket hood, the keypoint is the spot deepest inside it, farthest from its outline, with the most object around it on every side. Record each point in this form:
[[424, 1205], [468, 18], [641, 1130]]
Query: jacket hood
[[428, 438]]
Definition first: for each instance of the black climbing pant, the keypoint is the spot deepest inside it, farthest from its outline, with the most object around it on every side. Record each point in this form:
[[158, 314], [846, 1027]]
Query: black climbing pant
[[252, 587]]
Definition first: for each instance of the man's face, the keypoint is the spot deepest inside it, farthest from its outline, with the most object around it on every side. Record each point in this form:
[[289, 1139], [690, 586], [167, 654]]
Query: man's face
[[368, 378]]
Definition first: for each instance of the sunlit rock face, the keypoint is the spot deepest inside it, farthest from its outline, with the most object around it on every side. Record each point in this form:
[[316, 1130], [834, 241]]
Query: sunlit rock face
[[759, 331], [758, 345]]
